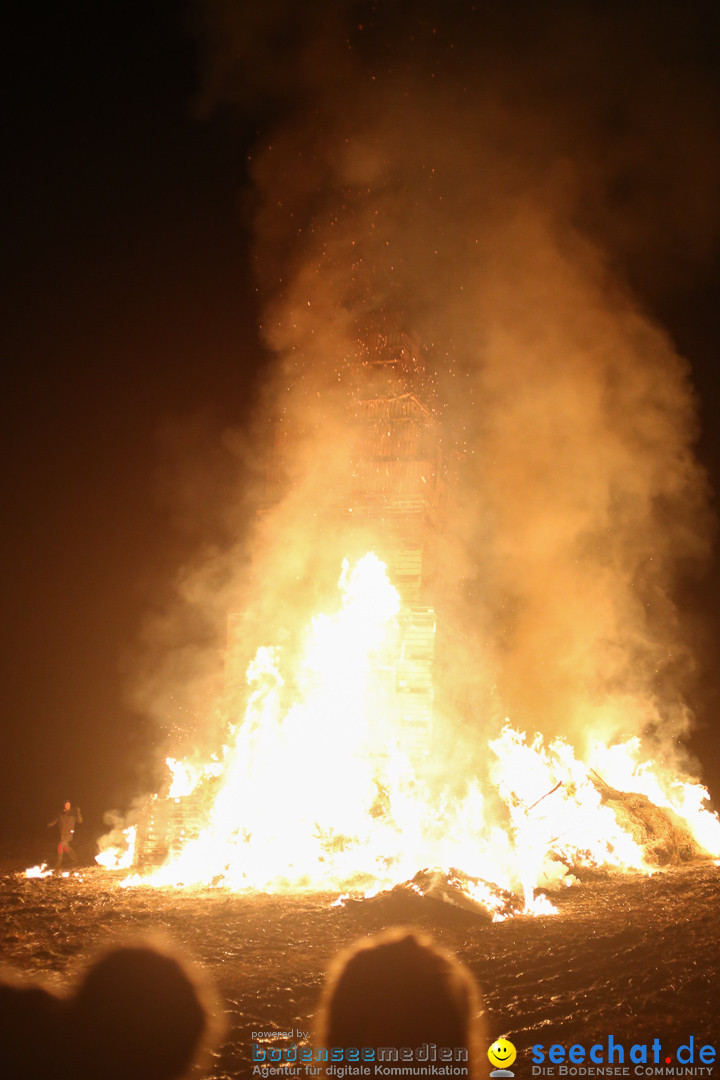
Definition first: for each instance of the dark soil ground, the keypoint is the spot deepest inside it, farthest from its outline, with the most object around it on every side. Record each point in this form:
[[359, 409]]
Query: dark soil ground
[[629, 956]]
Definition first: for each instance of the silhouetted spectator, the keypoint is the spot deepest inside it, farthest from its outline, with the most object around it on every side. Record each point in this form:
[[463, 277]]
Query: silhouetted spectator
[[31, 1021], [138, 1013], [400, 990]]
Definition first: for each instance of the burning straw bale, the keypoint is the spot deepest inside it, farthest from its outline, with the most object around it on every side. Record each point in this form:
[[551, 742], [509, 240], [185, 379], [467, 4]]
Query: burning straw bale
[[664, 837]]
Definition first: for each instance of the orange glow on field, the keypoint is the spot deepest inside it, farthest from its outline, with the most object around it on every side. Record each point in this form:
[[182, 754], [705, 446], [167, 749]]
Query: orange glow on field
[[315, 790]]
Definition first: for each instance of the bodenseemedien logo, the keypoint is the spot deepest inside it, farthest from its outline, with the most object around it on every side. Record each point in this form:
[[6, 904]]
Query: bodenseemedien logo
[[502, 1054]]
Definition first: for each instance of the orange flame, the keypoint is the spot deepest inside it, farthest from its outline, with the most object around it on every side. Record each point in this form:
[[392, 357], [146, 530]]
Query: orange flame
[[321, 794]]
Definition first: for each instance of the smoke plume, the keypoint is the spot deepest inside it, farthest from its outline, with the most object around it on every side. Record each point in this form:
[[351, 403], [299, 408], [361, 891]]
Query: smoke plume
[[520, 190]]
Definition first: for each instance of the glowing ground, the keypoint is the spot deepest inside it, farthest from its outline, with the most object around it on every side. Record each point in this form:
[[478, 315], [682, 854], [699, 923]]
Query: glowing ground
[[630, 956]]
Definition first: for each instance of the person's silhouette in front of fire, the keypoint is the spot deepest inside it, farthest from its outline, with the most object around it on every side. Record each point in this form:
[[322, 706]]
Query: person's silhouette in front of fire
[[140, 1011], [399, 989], [66, 820]]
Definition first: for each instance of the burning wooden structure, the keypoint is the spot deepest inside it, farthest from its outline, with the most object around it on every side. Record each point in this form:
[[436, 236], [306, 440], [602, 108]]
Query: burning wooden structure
[[393, 498], [399, 492], [395, 495], [357, 700]]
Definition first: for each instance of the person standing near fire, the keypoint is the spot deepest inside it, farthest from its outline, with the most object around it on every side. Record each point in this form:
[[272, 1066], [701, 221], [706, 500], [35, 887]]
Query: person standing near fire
[[67, 821]]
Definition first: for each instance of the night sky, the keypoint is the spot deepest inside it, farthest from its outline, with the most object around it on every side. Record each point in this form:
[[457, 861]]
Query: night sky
[[130, 345], [128, 313]]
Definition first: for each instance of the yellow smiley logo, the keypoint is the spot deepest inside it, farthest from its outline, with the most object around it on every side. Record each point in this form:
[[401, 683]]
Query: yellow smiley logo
[[502, 1053]]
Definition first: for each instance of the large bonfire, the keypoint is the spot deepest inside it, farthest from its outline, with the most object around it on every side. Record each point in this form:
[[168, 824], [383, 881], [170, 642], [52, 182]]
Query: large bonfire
[[534, 469], [319, 793]]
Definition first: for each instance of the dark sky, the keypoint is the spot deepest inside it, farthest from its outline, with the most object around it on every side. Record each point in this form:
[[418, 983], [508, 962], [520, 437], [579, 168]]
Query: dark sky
[[127, 309], [129, 312]]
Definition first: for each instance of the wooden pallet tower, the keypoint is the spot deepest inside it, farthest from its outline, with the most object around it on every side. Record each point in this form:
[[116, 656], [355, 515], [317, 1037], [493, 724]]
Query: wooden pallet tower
[[399, 493]]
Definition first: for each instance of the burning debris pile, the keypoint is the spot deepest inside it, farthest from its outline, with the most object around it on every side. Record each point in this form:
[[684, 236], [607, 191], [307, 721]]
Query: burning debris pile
[[323, 795], [354, 755], [363, 746]]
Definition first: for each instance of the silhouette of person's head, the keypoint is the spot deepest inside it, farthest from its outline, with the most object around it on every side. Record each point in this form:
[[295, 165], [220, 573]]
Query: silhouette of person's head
[[138, 1012], [31, 1026], [399, 990]]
